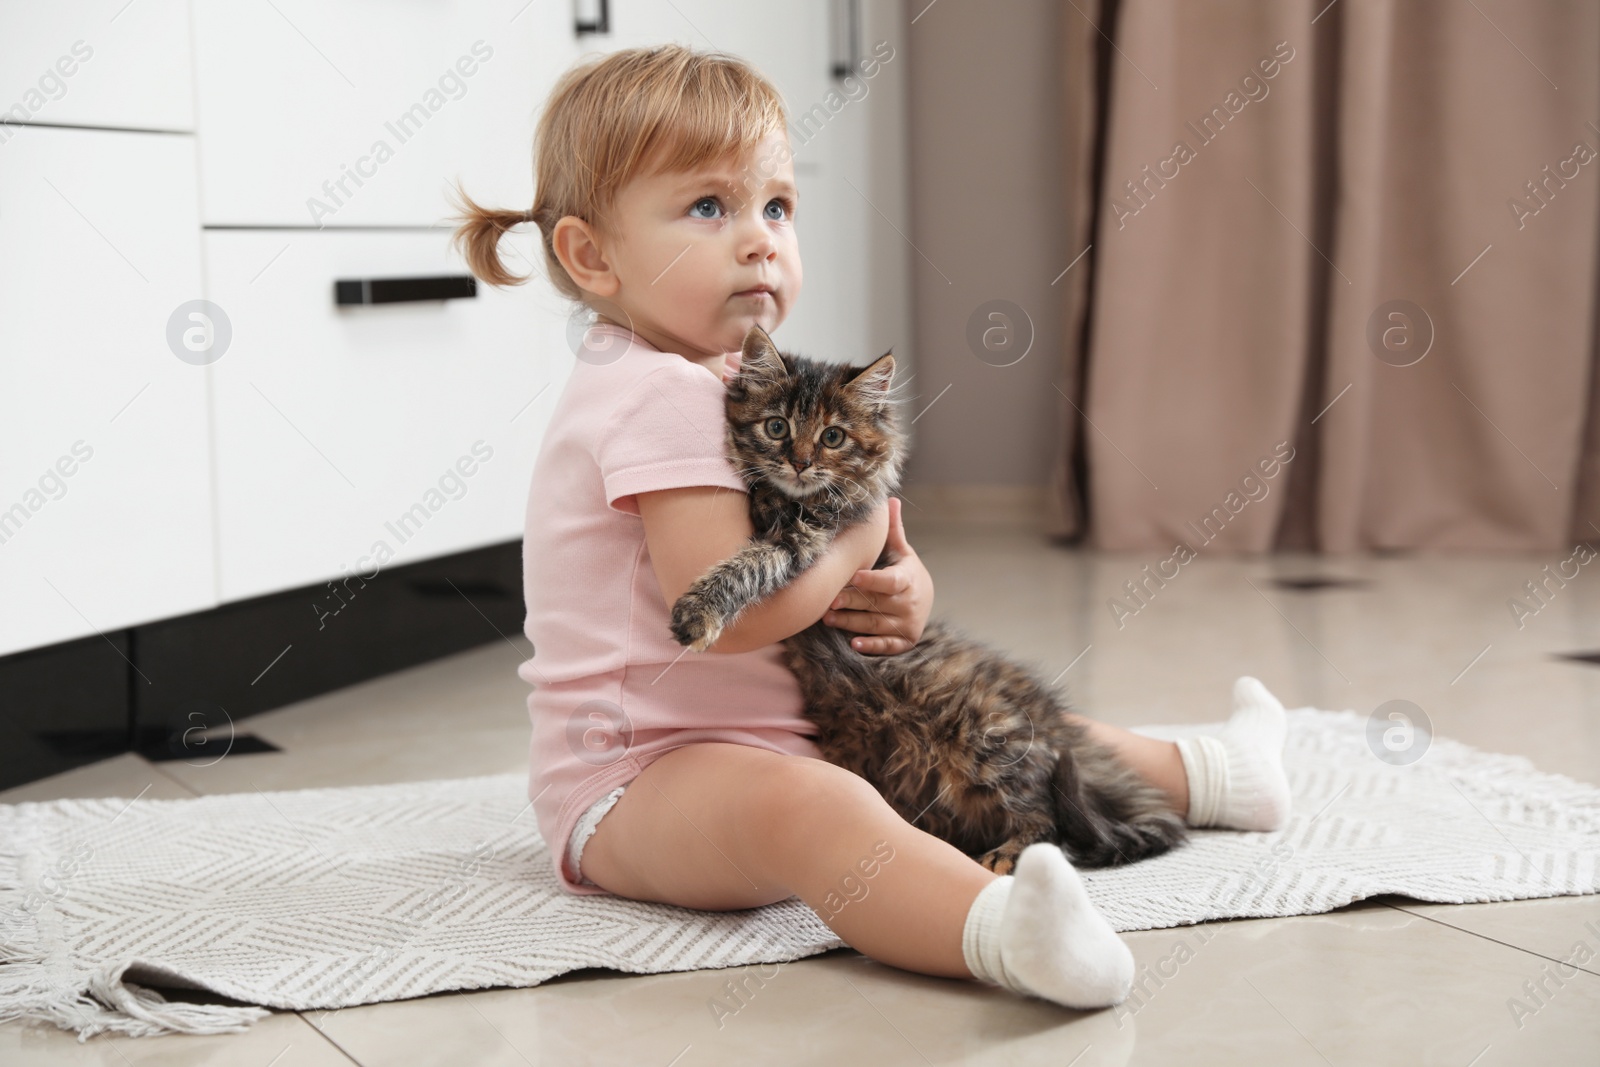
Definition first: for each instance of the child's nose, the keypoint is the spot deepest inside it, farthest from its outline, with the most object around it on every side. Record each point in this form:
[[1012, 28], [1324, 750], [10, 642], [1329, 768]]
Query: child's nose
[[764, 248], [758, 243]]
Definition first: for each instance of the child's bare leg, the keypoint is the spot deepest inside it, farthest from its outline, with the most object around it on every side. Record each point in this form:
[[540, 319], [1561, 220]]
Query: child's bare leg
[[1156, 761], [720, 826], [1231, 778]]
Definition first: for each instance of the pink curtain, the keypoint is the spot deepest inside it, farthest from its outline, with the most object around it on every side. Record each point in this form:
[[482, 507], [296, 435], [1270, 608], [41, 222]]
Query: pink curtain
[[1340, 287]]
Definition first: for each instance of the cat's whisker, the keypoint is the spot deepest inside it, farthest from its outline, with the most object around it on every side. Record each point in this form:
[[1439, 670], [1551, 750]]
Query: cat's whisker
[[856, 487]]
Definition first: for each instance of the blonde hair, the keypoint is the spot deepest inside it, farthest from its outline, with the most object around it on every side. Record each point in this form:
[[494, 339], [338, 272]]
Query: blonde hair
[[615, 117]]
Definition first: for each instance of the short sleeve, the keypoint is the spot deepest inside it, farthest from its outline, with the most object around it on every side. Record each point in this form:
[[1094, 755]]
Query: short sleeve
[[666, 433]]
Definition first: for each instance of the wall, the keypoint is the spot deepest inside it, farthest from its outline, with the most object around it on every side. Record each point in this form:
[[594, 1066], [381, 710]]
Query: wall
[[988, 222]]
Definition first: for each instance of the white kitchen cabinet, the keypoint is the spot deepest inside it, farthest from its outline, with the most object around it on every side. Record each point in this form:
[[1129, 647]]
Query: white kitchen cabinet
[[364, 112], [105, 497], [866, 240], [339, 429], [313, 435], [96, 63], [787, 40]]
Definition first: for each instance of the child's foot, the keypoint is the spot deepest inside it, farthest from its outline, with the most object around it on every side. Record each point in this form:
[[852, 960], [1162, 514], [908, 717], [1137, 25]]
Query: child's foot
[[1037, 933], [1236, 777]]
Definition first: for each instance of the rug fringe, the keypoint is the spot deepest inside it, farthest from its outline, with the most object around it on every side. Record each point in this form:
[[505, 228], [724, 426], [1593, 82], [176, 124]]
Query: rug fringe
[[109, 1003], [31, 986]]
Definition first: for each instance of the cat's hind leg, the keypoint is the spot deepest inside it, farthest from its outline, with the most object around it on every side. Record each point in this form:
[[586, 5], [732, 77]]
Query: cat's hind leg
[[1001, 860], [1021, 833]]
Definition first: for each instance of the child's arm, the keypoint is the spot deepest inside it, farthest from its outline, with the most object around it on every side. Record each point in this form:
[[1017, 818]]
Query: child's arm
[[691, 529]]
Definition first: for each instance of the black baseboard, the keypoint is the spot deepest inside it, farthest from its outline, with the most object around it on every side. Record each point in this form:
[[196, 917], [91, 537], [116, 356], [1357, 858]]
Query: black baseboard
[[155, 688]]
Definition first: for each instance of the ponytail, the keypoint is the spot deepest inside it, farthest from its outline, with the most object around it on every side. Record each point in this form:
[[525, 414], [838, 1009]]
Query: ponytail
[[478, 239]]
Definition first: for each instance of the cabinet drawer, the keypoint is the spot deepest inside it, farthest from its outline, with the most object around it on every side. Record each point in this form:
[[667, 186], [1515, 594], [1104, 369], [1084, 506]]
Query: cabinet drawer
[[353, 438], [97, 63], [105, 502], [362, 112]]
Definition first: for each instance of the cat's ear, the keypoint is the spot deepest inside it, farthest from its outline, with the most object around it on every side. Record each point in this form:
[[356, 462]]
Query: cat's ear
[[759, 357], [872, 382]]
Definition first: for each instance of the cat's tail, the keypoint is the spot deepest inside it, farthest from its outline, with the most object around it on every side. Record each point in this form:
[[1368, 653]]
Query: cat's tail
[[1106, 815]]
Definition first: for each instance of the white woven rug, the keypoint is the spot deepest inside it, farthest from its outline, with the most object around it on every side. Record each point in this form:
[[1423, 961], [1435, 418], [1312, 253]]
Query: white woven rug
[[327, 898]]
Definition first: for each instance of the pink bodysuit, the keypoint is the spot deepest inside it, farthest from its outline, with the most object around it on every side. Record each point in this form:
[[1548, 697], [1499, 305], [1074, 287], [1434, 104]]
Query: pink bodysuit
[[612, 690]]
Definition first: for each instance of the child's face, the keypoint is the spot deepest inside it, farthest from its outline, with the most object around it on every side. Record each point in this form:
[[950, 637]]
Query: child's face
[[692, 251]]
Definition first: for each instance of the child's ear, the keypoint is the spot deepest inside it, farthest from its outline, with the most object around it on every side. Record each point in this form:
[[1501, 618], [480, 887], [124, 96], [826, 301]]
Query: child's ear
[[577, 246]]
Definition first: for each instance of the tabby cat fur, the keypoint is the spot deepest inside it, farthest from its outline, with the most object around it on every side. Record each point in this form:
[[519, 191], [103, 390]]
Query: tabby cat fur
[[960, 740]]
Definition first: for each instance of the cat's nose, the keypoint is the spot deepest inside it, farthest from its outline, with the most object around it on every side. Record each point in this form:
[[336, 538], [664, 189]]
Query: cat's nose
[[800, 464]]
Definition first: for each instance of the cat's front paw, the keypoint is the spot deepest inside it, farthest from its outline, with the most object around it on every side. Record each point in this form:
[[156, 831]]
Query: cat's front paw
[[693, 624]]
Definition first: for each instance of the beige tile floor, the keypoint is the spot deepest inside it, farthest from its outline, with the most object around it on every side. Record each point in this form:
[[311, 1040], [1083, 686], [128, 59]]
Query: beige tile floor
[[1381, 982]]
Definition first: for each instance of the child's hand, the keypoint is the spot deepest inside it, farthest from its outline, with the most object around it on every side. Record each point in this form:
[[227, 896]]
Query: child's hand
[[891, 603]]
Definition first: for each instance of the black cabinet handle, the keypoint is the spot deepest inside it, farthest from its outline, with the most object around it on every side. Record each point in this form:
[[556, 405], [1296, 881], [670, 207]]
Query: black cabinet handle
[[403, 290], [846, 43], [602, 24]]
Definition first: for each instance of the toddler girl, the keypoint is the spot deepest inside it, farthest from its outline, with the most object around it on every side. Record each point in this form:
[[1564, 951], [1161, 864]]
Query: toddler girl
[[666, 203]]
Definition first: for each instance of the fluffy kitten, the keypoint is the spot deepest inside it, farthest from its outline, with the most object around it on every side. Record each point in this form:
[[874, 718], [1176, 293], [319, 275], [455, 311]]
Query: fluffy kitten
[[960, 740]]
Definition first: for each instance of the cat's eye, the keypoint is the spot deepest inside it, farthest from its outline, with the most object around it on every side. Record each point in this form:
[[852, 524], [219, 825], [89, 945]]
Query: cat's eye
[[777, 427], [833, 437]]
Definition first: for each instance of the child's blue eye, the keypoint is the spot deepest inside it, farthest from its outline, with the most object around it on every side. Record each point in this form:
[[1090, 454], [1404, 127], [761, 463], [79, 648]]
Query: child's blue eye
[[711, 201], [709, 207]]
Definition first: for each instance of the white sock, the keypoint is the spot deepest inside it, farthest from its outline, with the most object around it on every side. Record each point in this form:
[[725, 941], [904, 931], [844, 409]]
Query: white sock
[[1236, 777], [1035, 932]]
